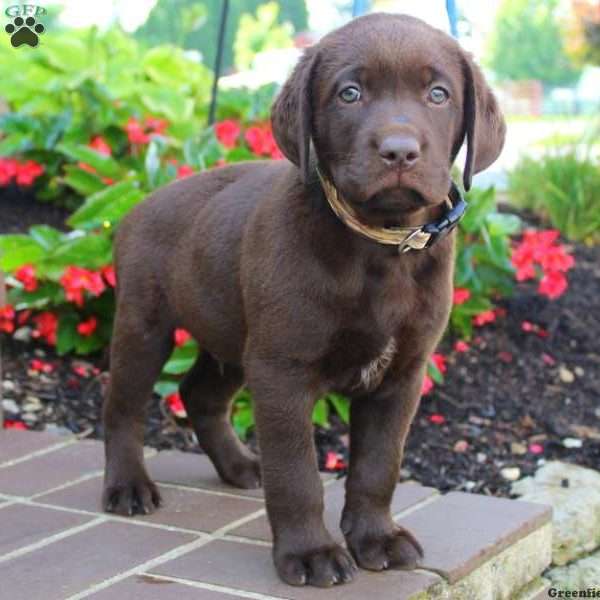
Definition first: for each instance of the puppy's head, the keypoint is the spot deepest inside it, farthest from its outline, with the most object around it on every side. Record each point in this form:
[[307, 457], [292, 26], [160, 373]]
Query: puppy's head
[[387, 101]]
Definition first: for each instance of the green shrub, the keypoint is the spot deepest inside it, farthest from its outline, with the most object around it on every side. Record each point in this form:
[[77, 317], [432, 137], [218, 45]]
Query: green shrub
[[563, 188], [109, 122]]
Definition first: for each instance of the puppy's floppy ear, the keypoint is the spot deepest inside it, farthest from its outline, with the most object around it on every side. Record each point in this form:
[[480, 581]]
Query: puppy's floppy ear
[[291, 114], [483, 123]]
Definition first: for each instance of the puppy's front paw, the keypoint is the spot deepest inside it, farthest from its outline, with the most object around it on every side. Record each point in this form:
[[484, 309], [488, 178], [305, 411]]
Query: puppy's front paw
[[396, 549], [321, 567], [131, 496]]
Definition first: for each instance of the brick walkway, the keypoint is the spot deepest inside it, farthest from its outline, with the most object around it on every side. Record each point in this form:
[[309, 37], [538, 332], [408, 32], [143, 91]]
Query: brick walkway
[[211, 541]]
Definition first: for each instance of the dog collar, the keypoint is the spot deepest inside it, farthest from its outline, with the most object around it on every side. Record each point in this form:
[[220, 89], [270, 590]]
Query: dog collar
[[406, 238]]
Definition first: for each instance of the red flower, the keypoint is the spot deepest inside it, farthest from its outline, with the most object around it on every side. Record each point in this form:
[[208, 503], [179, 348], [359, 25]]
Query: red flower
[[427, 385], [28, 172], [556, 258], [439, 360], [10, 424], [437, 419], [26, 275], [135, 132], [184, 171], [461, 346], [536, 449], [87, 328], [527, 326], [41, 366], [8, 170], [227, 132], [553, 284], [141, 133], [461, 295], [75, 280], [46, 327], [176, 405], [108, 272], [181, 336], [487, 316], [334, 462], [7, 316], [257, 141], [100, 145], [539, 247], [156, 125]]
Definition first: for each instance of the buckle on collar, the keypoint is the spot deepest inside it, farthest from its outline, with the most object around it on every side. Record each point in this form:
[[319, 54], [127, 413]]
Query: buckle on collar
[[427, 235]]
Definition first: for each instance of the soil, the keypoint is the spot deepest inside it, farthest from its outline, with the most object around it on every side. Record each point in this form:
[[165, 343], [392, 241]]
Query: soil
[[19, 210], [514, 400]]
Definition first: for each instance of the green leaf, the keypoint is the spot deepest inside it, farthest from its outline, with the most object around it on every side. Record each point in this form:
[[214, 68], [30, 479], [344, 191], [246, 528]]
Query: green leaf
[[152, 163], [91, 251], [67, 336], [181, 360], [503, 225], [481, 204], [46, 294], [94, 210], [89, 344], [18, 250], [45, 236], [166, 387], [341, 405], [81, 181], [105, 165], [320, 415], [435, 373]]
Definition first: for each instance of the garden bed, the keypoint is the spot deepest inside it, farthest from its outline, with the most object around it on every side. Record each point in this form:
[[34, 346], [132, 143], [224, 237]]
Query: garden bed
[[526, 391]]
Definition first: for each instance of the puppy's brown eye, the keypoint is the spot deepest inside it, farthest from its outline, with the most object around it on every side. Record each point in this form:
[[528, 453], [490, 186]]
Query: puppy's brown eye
[[350, 94], [438, 95]]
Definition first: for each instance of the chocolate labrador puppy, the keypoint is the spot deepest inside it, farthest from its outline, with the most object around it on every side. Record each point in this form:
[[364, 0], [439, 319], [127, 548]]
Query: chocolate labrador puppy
[[289, 276]]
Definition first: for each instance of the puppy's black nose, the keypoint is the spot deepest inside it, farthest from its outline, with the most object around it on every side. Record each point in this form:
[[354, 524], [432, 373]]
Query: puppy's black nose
[[400, 151]]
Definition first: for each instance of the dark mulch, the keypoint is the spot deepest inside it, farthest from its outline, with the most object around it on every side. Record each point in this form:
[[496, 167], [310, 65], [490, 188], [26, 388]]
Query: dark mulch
[[514, 400], [19, 211]]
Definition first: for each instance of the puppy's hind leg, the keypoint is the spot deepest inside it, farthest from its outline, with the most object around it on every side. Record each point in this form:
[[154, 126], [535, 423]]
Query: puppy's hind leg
[[139, 349], [207, 392]]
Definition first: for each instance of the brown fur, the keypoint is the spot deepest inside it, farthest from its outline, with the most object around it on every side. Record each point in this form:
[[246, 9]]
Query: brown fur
[[282, 296]]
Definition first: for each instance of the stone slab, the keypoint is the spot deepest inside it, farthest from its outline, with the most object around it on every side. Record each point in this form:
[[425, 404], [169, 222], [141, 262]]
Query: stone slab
[[578, 575], [574, 494], [460, 531], [405, 496], [73, 564], [15, 443], [52, 469], [23, 525], [249, 567]]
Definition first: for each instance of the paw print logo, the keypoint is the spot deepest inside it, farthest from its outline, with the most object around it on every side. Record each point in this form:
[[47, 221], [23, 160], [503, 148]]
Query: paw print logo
[[24, 31]]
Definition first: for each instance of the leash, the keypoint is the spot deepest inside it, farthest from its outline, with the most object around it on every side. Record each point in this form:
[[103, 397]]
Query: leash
[[406, 238]]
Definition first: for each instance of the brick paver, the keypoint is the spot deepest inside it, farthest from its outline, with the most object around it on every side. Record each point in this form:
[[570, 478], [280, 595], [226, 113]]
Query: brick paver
[[23, 525], [461, 531], [72, 564], [185, 508], [52, 469], [406, 495], [196, 470], [15, 444], [208, 541], [249, 567], [145, 587]]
